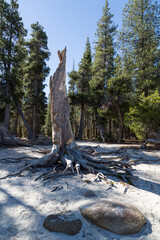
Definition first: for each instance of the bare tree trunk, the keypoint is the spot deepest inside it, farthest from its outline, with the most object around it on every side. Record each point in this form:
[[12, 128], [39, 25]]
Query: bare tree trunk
[[34, 113], [19, 127], [120, 128], [60, 116], [110, 128], [7, 108], [34, 120], [102, 130], [29, 131], [16, 125], [88, 124], [11, 86], [7, 115], [79, 137]]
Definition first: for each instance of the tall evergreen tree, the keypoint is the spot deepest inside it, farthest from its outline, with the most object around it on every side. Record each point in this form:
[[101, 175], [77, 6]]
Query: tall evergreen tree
[[83, 87], [12, 35], [103, 64], [119, 90], [36, 72], [140, 40]]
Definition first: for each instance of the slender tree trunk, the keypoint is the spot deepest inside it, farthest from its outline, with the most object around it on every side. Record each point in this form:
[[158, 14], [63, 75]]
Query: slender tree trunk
[[34, 114], [19, 127], [7, 108], [102, 130], [120, 128], [29, 131], [88, 125], [110, 128], [79, 137], [7, 115], [16, 124], [17, 104]]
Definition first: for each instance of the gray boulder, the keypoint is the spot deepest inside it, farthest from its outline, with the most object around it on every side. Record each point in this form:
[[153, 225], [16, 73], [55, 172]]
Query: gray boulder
[[65, 223], [117, 217]]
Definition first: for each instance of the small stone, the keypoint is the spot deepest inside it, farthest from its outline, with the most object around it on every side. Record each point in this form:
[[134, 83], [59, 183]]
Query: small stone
[[117, 217], [66, 223], [89, 193]]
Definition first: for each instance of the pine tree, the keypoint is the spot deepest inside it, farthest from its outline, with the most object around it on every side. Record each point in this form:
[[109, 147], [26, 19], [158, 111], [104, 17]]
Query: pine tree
[[36, 72], [140, 40], [11, 54], [103, 64], [119, 90], [83, 87]]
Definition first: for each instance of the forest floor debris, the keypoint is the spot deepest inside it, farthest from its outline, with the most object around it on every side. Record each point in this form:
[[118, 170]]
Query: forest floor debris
[[24, 202]]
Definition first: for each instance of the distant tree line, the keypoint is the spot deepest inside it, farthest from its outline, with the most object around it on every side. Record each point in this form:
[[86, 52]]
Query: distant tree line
[[114, 94]]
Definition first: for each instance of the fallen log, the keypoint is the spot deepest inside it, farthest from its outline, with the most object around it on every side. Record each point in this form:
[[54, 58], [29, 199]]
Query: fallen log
[[8, 140], [150, 140]]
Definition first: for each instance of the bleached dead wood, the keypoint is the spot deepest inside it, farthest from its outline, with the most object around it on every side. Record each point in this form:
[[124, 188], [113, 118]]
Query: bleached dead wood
[[150, 140], [65, 157]]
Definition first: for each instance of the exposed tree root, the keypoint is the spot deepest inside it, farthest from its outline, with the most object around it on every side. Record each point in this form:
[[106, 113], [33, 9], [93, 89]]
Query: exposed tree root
[[16, 160], [137, 161], [70, 160]]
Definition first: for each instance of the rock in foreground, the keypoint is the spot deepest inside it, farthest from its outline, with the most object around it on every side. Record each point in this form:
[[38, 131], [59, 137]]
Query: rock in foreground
[[64, 223], [89, 194], [117, 217]]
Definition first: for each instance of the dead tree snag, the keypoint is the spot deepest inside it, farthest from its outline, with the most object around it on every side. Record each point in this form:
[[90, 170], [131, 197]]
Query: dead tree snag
[[65, 157]]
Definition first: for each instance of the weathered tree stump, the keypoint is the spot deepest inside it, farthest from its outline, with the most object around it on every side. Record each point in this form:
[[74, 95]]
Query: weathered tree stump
[[65, 157]]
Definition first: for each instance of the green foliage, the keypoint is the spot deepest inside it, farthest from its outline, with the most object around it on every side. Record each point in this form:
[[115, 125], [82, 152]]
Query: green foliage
[[79, 80], [72, 90], [12, 52], [36, 72], [103, 64], [120, 86], [84, 73], [143, 118], [140, 40], [48, 127], [79, 88]]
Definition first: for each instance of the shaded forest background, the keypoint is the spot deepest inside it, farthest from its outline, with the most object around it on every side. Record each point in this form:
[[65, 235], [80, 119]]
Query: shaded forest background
[[114, 95]]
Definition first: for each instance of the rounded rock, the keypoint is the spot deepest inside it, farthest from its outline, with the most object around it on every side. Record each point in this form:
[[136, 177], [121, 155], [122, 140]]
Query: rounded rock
[[65, 223], [117, 217]]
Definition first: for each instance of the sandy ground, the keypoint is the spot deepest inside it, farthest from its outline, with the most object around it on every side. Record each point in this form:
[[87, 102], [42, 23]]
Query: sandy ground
[[24, 203]]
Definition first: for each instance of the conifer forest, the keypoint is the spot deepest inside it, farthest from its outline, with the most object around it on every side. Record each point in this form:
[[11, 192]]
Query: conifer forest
[[113, 96], [79, 143]]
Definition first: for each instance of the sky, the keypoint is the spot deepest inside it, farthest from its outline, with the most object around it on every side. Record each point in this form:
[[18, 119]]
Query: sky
[[67, 23]]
